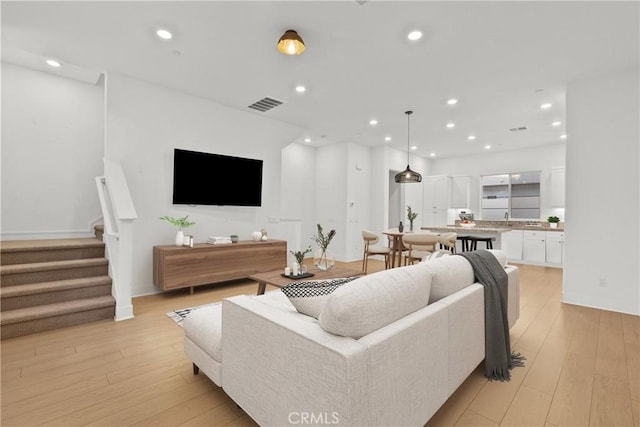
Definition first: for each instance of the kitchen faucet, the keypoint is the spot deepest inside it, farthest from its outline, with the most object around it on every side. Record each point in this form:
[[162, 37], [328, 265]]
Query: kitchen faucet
[[506, 217]]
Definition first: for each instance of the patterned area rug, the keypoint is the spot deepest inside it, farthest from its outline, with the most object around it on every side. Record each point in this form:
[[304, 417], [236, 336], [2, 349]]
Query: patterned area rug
[[178, 316]]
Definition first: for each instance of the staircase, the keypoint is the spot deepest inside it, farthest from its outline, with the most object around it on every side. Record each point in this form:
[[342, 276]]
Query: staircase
[[52, 284]]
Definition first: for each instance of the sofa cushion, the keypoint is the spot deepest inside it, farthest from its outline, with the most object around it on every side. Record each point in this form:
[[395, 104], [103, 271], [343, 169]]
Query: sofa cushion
[[500, 255], [204, 327], [309, 296], [373, 301]]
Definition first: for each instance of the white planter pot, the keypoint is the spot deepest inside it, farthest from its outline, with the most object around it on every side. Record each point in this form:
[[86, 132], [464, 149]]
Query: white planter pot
[[179, 238], [553, 225]]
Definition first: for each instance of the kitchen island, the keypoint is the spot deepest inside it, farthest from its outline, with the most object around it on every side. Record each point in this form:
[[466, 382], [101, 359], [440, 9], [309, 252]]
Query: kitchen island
[[495, 233]]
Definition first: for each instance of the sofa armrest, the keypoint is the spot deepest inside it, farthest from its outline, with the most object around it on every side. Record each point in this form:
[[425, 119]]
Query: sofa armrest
[[279, 367]]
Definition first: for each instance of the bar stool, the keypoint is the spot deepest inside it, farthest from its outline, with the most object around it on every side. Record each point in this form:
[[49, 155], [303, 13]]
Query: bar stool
[[465, 243], [474, 242]]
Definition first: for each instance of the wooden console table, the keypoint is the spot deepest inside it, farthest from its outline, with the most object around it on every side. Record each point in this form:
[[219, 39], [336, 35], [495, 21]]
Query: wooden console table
[[177, 267]]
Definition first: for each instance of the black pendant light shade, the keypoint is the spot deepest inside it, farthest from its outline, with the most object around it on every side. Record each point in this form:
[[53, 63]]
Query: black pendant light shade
[[408, 175]]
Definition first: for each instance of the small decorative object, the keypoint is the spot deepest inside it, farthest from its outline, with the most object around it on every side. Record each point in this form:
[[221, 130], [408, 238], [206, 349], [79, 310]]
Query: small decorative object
[[296, 269], [180, 223], [553, 221], [411, 216], [257, 236], [323, 258], [234, 238], [400, 227], [299, 256]]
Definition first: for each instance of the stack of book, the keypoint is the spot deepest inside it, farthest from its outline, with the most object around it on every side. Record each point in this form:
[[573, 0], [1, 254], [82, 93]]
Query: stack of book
[[217, 240]]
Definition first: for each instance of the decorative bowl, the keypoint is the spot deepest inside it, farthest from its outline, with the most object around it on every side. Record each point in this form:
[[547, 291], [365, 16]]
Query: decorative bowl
[[467, 224]]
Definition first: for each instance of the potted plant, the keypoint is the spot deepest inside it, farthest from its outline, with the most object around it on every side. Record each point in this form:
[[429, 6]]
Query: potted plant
[[553, 221], [180, 223], [323, 258], [411, 215]]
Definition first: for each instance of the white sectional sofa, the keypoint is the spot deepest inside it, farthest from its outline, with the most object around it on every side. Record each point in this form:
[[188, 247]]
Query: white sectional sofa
[[387, 349]]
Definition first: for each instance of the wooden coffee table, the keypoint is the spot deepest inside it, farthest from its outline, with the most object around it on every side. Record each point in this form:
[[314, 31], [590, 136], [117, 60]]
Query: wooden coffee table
[[275, 278]]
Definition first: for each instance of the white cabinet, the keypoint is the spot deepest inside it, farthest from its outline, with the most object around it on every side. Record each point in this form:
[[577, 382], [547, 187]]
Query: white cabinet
[[512, 244], [554, 247], [533, 246], [435, 192], [461, 192], [557, 186], [434, 218]]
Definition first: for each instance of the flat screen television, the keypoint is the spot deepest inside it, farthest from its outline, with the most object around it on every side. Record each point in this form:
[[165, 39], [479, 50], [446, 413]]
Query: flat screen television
[[214, 179]]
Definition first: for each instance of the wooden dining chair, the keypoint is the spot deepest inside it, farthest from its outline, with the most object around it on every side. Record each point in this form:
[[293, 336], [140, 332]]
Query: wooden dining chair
[[418, 246], [370, 239], [448, 241]]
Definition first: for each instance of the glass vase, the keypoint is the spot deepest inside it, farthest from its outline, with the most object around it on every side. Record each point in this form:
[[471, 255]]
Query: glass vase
[[324, 259]]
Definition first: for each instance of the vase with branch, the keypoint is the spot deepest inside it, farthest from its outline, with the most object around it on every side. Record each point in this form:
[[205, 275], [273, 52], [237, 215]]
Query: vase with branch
[[299, 256], [323, 258], [411, 216], [180, 223]]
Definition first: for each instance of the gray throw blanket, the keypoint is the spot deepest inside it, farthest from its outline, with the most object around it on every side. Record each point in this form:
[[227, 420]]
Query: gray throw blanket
[[499, 359]]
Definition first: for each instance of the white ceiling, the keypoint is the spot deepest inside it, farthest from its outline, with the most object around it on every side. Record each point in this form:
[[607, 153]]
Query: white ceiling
[[502, 60]]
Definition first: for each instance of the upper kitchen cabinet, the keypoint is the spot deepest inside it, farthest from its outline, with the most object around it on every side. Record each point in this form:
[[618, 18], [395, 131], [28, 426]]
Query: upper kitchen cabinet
[[514, 195], [436, 191], [557, 186], [525, 195], [462, 195], [495, 196]]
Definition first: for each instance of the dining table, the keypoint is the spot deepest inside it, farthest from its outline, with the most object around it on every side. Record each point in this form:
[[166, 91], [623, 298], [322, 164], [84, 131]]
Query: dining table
[[395, 240]]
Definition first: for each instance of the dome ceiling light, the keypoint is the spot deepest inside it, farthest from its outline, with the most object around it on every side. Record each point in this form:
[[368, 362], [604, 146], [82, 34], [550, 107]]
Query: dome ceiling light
[[290, 43], [408, 175]]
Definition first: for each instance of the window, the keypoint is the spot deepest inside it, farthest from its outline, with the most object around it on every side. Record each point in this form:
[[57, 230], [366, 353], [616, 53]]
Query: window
[[515, 194]]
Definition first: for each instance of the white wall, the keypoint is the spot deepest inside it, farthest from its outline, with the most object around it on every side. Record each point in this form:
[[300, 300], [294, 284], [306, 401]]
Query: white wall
[[52, 142], [540, 158], [603, 193], [146, 122]]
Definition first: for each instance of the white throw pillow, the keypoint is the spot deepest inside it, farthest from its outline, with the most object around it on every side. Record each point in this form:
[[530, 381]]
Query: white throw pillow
[[436, 255], [376, 300], [500, 256], [450, 274], [309, 296]]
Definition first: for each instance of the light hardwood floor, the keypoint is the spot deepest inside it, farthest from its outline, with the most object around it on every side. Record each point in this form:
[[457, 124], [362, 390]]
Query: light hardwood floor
[[582, 368]]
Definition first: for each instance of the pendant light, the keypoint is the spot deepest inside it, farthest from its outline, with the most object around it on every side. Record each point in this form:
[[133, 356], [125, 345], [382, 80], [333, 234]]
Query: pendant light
[[290, 43], [408, 175]]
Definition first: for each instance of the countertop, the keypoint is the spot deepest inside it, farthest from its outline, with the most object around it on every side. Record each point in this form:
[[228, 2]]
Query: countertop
[[495, 228]]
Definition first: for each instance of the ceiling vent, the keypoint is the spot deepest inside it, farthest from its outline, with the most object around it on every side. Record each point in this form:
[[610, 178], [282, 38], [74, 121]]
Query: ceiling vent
[[518, 129], [361, 2], [265, 104]]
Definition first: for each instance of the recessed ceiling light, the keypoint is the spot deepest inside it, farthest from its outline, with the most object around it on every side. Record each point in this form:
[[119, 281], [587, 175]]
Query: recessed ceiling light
[[387, 138], [471, 137], [432, 154], [487, 147], [545, 106], [414, 35], [556, 124], [164, 34], [373, 122], [53, 63], [414, 147], [307, 140], [452, 101], [451, 125], [563, 136], [301, 89]]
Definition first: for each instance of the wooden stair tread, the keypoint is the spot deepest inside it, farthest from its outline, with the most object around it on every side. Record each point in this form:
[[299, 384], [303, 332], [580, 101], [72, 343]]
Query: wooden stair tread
[[56, 309], [51, 265], [48, 244], [57, 285]]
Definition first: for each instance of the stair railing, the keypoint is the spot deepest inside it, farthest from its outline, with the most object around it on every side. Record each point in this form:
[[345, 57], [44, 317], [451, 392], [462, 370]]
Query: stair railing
[[118, 213]]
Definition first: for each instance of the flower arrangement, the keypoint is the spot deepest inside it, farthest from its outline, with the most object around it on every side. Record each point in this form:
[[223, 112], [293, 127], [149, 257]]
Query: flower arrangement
[[178, 222], [411, 216], [299, 255], [323, 240]]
